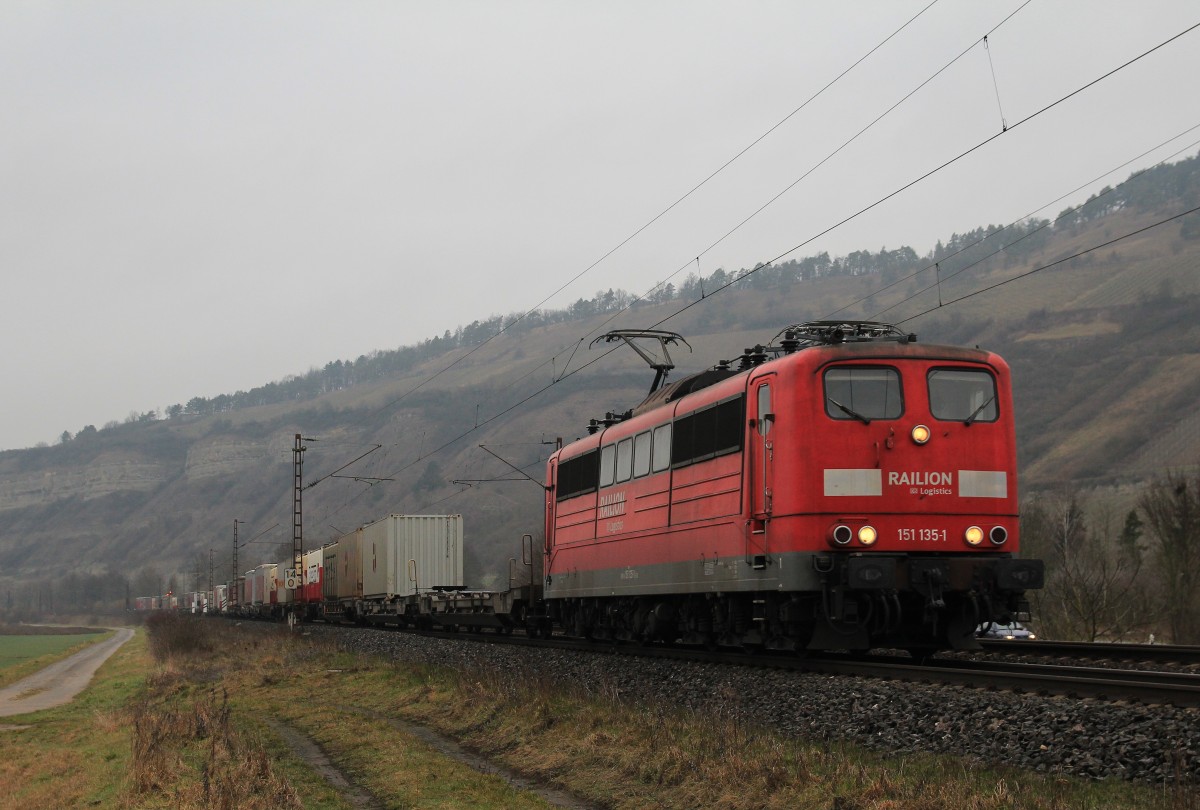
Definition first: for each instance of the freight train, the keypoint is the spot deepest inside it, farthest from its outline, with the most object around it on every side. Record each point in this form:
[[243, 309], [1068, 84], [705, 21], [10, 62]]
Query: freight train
[[842, 487]]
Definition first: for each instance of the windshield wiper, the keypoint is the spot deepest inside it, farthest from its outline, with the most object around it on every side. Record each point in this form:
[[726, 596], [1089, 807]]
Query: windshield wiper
[[850, 412], [978, 411]]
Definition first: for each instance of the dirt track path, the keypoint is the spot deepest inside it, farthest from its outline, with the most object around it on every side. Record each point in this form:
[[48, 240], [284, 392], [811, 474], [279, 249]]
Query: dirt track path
[[61, 681]]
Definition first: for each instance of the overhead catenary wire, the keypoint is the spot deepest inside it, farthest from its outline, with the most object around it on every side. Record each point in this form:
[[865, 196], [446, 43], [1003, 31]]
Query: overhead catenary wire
[[839, 149], [1057, 262], [1048, 107], [557, 375], [938, 168], [1024, 218], [983, 259], [703, 291], [995, 84], [506, 326]]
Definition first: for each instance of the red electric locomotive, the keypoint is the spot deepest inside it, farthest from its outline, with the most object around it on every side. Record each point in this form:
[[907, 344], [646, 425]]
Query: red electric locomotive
[[845, 489]]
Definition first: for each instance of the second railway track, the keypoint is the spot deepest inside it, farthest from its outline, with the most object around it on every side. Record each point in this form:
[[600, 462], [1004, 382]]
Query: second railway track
[[1150, 687]]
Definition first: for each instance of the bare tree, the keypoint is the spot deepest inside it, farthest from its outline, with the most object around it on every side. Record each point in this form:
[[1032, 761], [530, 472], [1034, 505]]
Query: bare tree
[[1094, 587], [1172, 510]]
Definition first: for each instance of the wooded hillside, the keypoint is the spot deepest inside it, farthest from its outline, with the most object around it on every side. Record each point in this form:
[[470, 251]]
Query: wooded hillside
[[1105, 349]]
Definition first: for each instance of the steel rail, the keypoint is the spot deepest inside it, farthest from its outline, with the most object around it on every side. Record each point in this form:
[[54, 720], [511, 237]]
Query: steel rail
[[1147, 687], [1163, 653]]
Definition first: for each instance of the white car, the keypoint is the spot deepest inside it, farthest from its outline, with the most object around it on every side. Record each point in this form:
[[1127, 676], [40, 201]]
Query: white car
[[1009, 631]]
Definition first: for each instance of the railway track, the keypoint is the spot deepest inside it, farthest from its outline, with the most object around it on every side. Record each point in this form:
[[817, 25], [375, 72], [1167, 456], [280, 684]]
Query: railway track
[[1015, 722], [1160, 653], [1150, 687], [1142, 686]]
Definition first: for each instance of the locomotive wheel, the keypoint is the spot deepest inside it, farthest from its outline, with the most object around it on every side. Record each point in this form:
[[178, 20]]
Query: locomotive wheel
[[920, 655]]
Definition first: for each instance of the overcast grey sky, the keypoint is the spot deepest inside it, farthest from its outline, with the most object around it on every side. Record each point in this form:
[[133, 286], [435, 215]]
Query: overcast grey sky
[[200, 197]]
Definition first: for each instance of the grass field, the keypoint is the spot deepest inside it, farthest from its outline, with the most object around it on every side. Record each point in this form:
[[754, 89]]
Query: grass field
[[23, 655], [19, 649], [75, 755], [177, 720], [606, 751]]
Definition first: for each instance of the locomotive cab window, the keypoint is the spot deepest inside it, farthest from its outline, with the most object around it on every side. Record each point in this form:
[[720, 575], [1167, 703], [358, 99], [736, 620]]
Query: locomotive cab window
[[855, 392], [962, 395]]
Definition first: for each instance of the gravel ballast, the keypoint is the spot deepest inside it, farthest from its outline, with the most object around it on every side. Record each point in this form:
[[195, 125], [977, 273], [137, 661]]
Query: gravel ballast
[[1088, 738]]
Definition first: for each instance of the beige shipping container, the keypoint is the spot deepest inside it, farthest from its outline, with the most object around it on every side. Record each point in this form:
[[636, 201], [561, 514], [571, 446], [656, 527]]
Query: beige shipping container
[[433, 542], [329, 572], [262, 584], [348, 576]]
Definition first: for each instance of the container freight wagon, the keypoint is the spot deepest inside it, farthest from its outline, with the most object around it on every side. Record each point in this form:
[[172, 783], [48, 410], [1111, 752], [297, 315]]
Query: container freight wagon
[[220, 600], [403, 556], [315, 574], [282, 596], [341, 577], [262, 589], [246, 592], [518, 606], [307, 599]]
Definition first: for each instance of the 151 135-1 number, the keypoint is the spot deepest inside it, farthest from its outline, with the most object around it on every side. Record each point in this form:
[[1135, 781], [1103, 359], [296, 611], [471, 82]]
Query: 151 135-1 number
[[921, 535]]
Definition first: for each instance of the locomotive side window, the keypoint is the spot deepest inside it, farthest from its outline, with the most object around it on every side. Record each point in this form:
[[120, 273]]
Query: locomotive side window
[[962, 395], [579, 475], [684, 438], [662, 447], [624, 460], [708, 433], [608, 465], [731, 416], [855, 392], [641, 454]]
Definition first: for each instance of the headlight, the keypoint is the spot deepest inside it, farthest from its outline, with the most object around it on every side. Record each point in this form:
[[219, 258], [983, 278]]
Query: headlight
[[920, 434], [998, 535], [841, 535], [867, 535], [973, 536]]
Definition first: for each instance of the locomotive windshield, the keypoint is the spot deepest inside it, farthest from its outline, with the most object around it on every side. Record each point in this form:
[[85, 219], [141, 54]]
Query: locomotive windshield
[[854, 392], [962, 395]]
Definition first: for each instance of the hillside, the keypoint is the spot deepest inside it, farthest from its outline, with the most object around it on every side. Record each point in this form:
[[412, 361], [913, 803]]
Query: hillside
[[1105, 351]]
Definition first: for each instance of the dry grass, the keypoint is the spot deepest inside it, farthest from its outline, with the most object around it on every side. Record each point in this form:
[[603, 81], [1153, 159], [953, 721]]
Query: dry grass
[[588, 739], [626, 756], [187, 751]]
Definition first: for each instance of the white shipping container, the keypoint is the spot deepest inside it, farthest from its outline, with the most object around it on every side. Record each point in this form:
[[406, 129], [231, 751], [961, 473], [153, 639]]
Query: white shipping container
[[282, 594], [433, 542], [263, 584]]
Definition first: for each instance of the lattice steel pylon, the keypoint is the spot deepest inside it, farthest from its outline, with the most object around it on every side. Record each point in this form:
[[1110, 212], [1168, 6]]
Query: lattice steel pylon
[[235, 598], [298, 518]]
